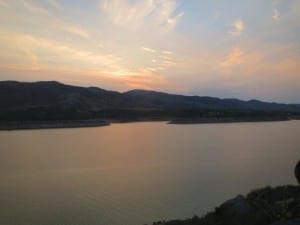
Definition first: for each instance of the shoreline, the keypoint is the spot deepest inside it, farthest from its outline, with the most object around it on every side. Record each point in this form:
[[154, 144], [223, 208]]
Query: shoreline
[[264, 206], [227, 120], [36, 125]]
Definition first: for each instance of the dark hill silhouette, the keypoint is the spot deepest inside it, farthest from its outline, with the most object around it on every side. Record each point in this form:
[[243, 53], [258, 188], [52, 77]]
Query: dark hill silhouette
[[51, 100]]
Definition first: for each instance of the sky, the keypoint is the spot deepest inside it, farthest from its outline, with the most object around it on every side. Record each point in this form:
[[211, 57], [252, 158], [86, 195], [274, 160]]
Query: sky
[[247, 49]]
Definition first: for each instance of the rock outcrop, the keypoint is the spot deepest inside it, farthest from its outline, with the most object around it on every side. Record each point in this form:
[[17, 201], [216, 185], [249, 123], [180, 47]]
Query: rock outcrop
[[265, 206], [297, 172]]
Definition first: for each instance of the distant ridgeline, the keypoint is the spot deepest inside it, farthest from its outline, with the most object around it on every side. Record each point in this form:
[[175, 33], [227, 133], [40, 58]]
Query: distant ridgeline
[[52, 101]]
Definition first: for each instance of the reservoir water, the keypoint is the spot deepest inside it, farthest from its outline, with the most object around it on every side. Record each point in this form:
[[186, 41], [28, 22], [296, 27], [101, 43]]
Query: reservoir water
[[137, 173]]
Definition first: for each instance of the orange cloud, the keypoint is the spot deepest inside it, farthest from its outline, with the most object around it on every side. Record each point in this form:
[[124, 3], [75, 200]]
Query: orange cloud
[[145, 79], [235, 57]]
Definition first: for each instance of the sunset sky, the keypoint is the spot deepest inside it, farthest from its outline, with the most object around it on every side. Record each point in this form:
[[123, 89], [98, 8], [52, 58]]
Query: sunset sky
[[236, 48]]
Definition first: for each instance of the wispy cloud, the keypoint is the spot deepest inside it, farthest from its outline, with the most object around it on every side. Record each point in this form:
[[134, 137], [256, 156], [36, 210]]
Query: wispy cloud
[[276, 14], [32, 7], [4, 3], [168, 63], [40, 54], [130, 42], [233, 58], [167, 52], [172, 22], [76, 30], [165, 57], [52, 21], [146, 79], [159, 13], [237, 28], [148, 49], [55, 4], [53, 53]]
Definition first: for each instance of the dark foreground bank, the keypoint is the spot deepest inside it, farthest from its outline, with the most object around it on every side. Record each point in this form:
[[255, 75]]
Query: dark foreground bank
[[265, 206], [276, 206]]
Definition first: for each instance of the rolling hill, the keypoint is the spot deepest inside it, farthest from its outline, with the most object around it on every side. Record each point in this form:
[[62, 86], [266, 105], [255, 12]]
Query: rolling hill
[[51, 100]]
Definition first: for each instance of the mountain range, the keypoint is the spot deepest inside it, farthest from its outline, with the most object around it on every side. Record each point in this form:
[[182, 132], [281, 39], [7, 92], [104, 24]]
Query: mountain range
[[51, 100]]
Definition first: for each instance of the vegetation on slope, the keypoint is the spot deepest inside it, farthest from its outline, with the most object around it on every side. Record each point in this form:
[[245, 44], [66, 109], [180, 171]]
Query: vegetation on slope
[[53, 101]]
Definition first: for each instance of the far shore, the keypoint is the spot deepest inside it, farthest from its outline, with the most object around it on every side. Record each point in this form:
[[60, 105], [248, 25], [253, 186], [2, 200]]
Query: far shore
[[228, 120], [30, 125]]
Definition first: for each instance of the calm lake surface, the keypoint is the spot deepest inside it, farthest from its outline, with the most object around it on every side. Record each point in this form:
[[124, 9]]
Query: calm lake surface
[[137, 173]]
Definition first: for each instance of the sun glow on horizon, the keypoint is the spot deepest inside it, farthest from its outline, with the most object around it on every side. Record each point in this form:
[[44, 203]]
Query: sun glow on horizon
[[190, 47]]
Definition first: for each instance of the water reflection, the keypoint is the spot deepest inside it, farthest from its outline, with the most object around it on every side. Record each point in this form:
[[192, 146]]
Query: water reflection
[[139, 172]]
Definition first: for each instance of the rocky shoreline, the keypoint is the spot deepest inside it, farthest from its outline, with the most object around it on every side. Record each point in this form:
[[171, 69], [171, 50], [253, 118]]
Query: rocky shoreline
[[265, 206]]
